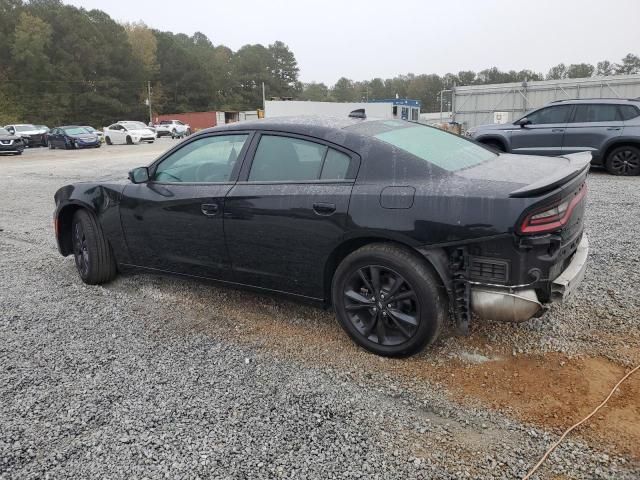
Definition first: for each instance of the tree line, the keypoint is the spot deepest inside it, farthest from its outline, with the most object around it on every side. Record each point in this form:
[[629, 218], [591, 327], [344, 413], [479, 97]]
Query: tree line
[[63, 65], [60, 64], [427, 87]]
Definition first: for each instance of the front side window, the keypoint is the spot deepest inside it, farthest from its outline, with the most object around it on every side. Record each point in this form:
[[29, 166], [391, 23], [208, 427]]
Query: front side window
[[288, 159], [596, 113], [556, 114], [208, 159]]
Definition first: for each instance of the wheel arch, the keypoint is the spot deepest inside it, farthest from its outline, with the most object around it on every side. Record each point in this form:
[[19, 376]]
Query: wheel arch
[[435, 259], [63, 220], [618, 142], [487, 139]]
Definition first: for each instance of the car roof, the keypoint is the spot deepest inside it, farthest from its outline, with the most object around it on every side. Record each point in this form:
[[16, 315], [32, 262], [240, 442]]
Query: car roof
[[596, 100], [303, 125]]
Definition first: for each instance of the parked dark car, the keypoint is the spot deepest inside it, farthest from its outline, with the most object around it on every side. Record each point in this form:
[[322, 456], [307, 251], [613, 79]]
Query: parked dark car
[[32, 135], [10, 143], [393, 224], [72, 136], [608, 128]]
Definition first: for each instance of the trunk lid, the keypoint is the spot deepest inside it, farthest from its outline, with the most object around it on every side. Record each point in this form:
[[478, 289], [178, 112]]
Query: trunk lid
[[529, 175]]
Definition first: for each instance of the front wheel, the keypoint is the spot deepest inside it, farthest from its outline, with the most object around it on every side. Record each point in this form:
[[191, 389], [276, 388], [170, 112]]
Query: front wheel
[[624, 161], [129, 141], [108, 140], [388, 300], [91, 251]]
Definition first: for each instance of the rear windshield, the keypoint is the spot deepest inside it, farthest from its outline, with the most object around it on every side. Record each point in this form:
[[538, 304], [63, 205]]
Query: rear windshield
[[445, 150], [165, 122]]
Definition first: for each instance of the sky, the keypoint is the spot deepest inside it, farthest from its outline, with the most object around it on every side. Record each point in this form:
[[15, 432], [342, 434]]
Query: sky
[[362, 39]]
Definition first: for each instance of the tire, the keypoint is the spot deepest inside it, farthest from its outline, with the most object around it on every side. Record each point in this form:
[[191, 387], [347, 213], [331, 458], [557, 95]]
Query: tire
[[108, 140], [623, 161], [407, 324], [497, 146], [18, 153], [129, 141], [91, 251]]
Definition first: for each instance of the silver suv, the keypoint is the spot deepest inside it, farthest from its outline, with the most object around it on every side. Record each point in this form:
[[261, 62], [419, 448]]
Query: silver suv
[[608, 128]]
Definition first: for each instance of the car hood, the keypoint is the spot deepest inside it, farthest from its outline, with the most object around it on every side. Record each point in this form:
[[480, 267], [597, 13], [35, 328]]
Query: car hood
[[9, 137], [30, 132], [141, 131]]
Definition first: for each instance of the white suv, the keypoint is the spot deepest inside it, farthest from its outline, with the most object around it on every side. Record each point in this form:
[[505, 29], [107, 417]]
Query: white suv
[[174, 128]]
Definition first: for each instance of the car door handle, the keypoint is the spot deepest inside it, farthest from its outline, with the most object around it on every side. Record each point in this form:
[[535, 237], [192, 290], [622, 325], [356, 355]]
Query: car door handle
[[557, 130], [324, 208], [613, 128], [209, 209]]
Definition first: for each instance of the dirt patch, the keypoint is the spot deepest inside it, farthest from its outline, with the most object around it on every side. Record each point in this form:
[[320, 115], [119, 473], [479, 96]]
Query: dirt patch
[[549, 390]]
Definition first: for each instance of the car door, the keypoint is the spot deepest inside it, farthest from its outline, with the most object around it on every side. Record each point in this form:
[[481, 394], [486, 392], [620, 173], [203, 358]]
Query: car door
[[288, 211], [174, 221], [544, 134], [590, 127]]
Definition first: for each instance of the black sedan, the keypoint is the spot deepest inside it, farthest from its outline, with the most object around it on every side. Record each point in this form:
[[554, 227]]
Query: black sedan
[[393, 224], [10, 143], [72, 136]]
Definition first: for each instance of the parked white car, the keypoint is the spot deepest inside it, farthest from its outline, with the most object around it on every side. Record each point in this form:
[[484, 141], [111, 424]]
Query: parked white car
[[173, 128], [128, 132]]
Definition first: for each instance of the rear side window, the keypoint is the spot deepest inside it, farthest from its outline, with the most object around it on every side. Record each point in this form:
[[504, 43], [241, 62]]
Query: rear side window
[[288, 159], [628, 112], [596, 113], [556, 114]]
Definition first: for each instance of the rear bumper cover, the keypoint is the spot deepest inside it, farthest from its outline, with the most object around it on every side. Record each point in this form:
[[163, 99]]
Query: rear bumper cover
[[518, 305]]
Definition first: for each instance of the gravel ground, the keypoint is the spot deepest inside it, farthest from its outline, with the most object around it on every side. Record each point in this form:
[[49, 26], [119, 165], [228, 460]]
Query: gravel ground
[[150, 377]]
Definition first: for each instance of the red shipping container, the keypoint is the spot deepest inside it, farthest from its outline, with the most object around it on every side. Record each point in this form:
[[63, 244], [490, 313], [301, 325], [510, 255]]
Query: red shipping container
[[196, 120]]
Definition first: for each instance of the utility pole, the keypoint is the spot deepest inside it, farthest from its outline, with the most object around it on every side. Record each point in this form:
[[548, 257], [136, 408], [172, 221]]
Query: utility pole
[[263, 97], [149, 102]]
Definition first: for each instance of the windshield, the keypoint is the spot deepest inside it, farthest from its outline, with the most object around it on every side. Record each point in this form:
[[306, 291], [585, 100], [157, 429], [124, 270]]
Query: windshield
[[133, 125], [75, 131], [25, 128], [445, 150], [89, 129]]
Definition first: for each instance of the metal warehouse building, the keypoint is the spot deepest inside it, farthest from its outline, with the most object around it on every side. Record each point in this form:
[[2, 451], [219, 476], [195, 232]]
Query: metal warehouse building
[[505, 102]]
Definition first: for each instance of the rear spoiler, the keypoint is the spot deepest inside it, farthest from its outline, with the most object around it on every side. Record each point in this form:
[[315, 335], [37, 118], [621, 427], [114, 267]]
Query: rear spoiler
[[578, 163]]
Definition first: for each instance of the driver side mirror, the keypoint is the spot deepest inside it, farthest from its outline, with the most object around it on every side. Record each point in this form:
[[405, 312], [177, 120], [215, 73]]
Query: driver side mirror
[[139, 175], [523, 122]]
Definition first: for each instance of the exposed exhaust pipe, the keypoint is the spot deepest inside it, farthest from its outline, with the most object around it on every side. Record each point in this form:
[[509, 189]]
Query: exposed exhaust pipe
[[504, 306]]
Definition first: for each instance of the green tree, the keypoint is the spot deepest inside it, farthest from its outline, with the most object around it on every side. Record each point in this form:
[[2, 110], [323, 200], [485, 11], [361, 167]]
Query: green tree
[[605, 68], [630, 65], [284, 70], [558, 72], [317, 92], [345, 91], [580, 70]]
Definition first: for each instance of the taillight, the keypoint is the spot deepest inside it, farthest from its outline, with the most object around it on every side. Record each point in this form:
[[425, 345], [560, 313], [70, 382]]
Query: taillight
[[553, 217]]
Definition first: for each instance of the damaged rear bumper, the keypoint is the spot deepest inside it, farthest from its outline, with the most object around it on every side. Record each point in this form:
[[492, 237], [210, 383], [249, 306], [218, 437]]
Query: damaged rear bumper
[[513, 304]]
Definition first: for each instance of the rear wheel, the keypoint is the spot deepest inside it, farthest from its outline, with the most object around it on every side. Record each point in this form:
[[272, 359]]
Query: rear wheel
[[108, 140], [388, 300], [624, 160], [91, 251]]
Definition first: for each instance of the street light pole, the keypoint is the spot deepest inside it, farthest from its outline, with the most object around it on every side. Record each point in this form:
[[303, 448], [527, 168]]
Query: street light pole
[[149, 102]]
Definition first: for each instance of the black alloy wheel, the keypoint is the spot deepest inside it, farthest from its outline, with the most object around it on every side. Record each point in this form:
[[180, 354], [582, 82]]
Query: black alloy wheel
[[382, 305], [91, 250], [624, 161], [388, 300], [108, 141], [81, 250]]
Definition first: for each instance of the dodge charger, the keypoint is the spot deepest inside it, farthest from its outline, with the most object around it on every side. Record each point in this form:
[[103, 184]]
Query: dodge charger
[[394, 225]]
